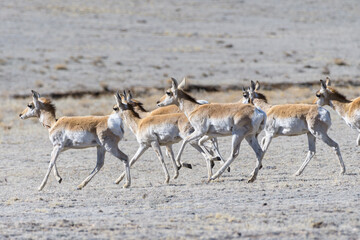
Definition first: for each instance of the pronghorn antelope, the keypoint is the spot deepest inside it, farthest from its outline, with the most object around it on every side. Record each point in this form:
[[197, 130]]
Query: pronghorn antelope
[[348, 110], [151, 131], [215, 120], [102, 132], [184, 125], [294, 120]]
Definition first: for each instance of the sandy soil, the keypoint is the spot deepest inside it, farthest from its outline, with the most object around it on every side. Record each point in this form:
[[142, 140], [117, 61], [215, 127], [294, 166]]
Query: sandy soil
[[61, 46]]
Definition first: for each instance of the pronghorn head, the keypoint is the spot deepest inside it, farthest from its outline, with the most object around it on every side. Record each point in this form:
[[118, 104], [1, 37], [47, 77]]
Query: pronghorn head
[[246, 97], [171, 95], [254, 94], [327, 93], [121, 103], [137, 105], [36, 106]]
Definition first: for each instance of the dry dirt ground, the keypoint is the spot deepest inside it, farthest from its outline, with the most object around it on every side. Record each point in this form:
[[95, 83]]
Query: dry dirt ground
[[62, 46]]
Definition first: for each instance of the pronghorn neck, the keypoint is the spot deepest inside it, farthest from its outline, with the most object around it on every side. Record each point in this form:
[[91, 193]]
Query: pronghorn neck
[[141, 111], [47, 119], [187, 104], [132, 120], [338, 101], [262, 104], [339, 107]]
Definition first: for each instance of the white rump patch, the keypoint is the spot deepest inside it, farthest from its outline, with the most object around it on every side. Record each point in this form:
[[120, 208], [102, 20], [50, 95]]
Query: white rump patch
[[115, 124]]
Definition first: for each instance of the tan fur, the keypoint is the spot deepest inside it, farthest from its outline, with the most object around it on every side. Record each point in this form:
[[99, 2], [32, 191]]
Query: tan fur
[[293, 111]]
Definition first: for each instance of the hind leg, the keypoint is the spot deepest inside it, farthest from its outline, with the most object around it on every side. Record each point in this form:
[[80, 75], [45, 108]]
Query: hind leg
[[56, 174], [331, 143], [139, 152], [252, 140], [112, 147], [170, 154], [310, 154], [99, 164], [235, 147], [155, 145]]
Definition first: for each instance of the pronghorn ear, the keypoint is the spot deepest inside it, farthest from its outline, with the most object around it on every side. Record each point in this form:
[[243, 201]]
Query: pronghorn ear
[[119, 99], [36, 97], [174, 84], [257, 85], [328, 82], [243, 89], [323, 84], [182, 85], [129, 96], [252, 86]]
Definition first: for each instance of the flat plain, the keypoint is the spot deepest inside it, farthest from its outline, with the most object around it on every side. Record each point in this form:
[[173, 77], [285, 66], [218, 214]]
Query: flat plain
[[60, 47]]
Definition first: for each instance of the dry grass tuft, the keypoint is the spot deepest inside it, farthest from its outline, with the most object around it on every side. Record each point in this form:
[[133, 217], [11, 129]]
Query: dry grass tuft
[[61, 67]]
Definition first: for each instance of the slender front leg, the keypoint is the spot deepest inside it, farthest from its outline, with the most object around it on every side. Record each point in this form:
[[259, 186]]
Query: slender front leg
[[155, 145], [253, 142], [56, 174], [235, 147], [310, 154], [189, 138], [208, 162], [170, 154], [142, 148], [54, 154], [99, 164]]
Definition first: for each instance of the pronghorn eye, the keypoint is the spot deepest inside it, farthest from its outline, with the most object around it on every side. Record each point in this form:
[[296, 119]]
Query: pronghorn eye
[[318, 95], [115, 108], [30, 106], [168, 93]]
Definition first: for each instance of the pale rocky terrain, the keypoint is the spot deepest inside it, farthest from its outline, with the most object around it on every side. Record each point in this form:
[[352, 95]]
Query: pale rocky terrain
[[66, 46]]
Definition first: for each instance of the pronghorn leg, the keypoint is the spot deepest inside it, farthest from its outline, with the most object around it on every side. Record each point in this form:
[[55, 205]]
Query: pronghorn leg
[[235, 147], [99, 164], [54, 154], [253, 142], [335, 146], [137, 155], [115, 151], [170, 154], [358, 140], [56, 174], [191, 137], [208, 161], [266, 141], [216, 149], [310, 154], [155, 145]]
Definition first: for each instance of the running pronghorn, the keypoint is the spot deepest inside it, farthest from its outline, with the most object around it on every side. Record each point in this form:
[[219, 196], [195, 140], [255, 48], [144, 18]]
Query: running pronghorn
[[348, 110], [184, 125], [218, 119], [151, 131], [102, 132], [294, 120]]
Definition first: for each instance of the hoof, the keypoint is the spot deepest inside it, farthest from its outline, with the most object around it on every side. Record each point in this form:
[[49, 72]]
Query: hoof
[[212, 164], [260, 167], [342, 173], [126, 186], [79, 187], [228, 169], [218, 158], [187, 165], [60, 180], [179, 167], [252, 179], [297, 174], [176, 176]]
